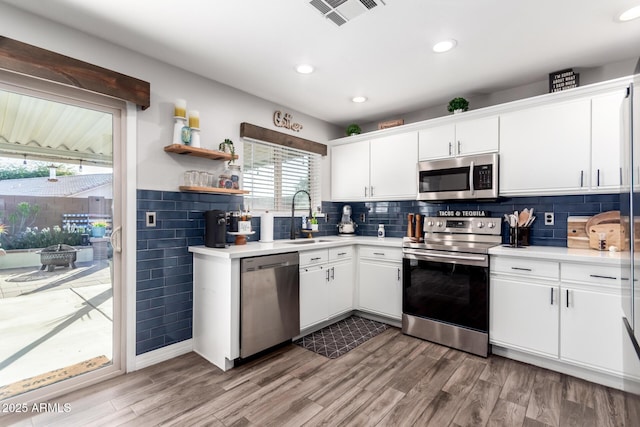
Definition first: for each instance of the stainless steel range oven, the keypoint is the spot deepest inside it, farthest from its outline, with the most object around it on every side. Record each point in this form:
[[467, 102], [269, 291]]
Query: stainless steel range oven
[[445, 291]]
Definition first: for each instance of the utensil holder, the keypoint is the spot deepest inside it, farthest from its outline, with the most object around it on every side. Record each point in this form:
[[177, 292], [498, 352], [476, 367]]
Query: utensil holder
[[518, 237]]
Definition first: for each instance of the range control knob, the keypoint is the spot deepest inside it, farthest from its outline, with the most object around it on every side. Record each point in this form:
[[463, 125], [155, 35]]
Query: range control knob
[[491, 224], [480, 224], [439, 224], [430, 223]]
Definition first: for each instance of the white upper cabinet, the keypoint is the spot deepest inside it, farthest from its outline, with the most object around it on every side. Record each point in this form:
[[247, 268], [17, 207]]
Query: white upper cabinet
[[393, 166], [461, 138], [546, 149], [380, 169], [349, 171], [606, 137]]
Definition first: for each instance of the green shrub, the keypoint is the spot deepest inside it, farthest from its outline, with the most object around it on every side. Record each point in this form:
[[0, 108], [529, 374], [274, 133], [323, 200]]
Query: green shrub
[[33, 238]]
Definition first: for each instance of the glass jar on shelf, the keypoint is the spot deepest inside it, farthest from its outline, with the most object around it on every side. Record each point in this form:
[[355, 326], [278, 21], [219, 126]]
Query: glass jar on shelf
[[230, 178]]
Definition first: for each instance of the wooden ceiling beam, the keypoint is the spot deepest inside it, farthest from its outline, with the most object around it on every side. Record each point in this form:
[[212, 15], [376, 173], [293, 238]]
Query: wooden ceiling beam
[[37, 62], [248, 130]]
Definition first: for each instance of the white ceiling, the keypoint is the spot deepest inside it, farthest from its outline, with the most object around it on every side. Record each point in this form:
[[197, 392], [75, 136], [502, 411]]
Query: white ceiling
[[383, 54]]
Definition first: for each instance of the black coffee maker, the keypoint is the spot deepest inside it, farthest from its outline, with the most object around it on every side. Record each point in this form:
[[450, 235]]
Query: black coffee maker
[[215, 229]]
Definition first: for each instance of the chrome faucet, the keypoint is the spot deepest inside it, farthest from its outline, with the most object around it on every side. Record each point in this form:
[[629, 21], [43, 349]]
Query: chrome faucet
[[293, 205]]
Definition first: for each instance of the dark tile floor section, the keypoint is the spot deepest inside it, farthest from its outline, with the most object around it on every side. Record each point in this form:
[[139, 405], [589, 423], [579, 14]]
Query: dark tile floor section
[[341, 337]]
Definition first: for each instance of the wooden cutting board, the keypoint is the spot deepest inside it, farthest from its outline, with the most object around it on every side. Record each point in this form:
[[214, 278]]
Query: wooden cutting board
[[613, 236], [577, 232]]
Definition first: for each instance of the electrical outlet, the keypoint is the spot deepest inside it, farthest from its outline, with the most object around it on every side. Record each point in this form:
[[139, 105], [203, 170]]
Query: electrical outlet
[[549, 218], [151, 219], [363, 218]]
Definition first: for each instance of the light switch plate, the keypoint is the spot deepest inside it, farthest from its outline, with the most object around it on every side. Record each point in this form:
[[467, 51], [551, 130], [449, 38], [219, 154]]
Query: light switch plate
[[151, 219]]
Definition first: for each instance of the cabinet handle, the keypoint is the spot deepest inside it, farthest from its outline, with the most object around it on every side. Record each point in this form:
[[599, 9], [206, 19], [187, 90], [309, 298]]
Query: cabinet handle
[[521, 268], [341, 253], [316, 258], [398, 273], [597, 276], [333, 273], [581, 178], [551, 296], [379, 253], [450, 152], [365, 191], [598, 178], [371, 192], [327, 275], [567, 298], [459, 150]]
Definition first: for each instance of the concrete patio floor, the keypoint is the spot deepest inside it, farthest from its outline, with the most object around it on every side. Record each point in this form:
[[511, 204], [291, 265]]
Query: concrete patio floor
[[51, 320]]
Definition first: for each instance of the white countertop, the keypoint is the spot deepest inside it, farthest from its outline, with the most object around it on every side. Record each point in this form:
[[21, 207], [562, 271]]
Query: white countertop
[[286, 245], [562, 254]]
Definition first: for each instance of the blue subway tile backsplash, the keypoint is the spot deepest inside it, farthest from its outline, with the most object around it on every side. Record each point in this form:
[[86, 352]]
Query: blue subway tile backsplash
[[164, 284], [393, 214]]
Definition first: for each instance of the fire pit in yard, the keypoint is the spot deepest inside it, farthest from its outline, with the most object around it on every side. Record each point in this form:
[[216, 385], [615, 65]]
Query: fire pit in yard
[[58, 255]]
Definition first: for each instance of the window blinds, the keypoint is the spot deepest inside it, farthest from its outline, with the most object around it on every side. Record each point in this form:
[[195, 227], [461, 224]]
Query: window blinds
[[273, 173]]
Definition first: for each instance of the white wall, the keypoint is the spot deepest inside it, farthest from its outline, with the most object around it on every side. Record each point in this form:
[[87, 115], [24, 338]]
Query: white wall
[[221, 107], [587, 76]]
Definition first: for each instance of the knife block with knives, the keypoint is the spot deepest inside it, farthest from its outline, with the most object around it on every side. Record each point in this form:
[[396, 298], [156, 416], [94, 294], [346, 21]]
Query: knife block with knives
[[414, 227], [599, 232]]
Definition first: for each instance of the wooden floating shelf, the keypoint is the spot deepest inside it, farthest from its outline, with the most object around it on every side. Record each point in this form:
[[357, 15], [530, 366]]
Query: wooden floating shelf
[[198, 152], [212, 190]]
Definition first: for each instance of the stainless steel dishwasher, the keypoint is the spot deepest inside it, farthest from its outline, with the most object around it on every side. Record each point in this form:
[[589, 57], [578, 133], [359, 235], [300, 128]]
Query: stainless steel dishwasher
[[269, 301]]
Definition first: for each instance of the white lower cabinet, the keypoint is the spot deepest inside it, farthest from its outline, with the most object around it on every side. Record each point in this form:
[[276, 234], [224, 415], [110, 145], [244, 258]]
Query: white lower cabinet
[[326, 285], [590, 331], [340, 287], [313, 295], [575, 317], [380, 281], [523, 315]]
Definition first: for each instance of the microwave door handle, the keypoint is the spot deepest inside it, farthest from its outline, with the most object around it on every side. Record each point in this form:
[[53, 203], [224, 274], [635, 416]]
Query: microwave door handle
[[471, 186]]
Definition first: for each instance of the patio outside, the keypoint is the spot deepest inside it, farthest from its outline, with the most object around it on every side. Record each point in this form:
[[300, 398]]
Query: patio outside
[[51, 320]]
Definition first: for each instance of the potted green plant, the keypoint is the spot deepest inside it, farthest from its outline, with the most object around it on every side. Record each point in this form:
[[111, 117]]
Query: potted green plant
[[314, 222], [353, 129], [458, 105], [98, 228], [226, 146]]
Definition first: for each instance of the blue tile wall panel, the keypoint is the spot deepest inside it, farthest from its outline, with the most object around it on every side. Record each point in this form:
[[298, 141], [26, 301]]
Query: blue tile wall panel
[[164, 281]]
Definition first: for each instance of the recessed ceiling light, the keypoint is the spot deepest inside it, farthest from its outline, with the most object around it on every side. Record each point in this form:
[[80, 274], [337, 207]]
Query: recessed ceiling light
[[444, 46], [359, 99], [630, 14], [304, 69]]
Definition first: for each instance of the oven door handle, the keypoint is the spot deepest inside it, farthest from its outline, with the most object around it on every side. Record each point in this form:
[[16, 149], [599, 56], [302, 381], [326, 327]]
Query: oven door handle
[[430, 256]]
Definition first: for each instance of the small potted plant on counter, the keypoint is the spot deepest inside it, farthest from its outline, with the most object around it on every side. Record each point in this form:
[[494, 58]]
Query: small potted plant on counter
[[314, 222], [458, 105], [353, 129]]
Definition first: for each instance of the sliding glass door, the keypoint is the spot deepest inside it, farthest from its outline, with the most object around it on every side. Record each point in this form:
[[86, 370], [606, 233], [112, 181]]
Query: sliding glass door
[[60, 215]]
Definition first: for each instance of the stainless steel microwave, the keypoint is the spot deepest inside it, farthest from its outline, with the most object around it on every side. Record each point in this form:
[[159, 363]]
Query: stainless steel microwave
[[458, 178]]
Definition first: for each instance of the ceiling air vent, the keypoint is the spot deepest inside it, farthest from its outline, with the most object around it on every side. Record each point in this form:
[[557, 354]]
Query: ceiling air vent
[[342, 11]]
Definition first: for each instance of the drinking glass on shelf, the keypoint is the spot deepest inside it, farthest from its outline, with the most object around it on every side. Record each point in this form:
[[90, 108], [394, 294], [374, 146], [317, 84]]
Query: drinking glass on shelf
[[190, 178]]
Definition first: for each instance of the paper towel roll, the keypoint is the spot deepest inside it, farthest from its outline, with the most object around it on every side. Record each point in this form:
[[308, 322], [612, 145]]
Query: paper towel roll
[[266, 227]]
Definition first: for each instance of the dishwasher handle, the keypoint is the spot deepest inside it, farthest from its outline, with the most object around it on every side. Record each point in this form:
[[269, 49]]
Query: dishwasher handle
[[267, 262]]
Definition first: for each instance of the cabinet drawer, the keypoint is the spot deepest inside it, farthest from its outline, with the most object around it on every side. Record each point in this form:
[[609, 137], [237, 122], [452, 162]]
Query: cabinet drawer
[[525, 267], [380, 252], [340, 253], [313, 257], [598, 275]]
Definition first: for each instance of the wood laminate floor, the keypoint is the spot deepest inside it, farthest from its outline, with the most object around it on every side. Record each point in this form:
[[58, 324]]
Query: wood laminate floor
[[391, 380]]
